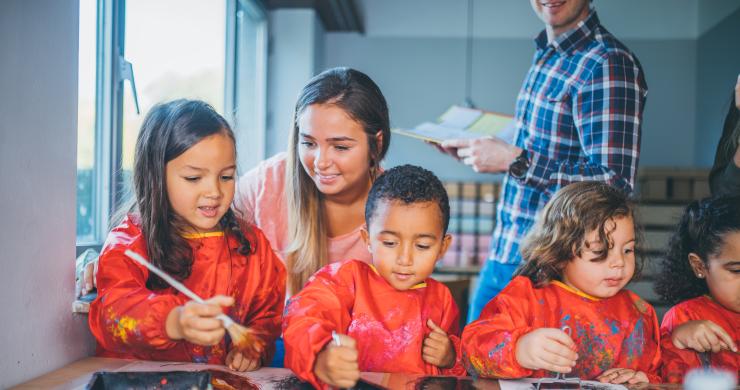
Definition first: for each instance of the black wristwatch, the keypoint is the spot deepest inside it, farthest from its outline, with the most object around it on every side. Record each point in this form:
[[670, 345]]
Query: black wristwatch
[[519, 167]]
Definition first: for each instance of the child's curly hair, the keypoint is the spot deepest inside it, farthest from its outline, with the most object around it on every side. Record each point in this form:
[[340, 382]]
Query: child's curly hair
[[408, 184], [701, 231], [560, 231]]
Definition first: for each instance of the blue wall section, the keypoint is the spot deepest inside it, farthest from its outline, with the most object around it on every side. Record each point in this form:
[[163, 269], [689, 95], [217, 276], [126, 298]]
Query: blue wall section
[[718, 69], [421, 77]]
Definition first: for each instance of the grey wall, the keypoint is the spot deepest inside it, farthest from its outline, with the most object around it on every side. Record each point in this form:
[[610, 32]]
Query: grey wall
[[718, 69], [296, 55], [421, 77], [38, 140]]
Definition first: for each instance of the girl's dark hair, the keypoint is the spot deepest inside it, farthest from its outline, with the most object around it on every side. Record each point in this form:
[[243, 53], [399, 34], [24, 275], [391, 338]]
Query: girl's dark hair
[[701, 231], [728, 144], [170, 129], [560, 231]]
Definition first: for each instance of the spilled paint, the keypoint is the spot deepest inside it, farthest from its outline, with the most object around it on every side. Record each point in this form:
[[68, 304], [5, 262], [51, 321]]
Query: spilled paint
[[596, 355], [634, 344], [122, 327], [613, 325], [374, 355]]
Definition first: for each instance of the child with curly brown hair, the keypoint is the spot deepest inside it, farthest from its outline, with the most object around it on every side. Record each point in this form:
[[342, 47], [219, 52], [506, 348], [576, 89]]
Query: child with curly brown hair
[[578, 259]]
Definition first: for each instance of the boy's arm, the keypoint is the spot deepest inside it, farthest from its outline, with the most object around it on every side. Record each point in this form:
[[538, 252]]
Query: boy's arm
[[266, 304], [489, 343], [127, 316], [321, 307]]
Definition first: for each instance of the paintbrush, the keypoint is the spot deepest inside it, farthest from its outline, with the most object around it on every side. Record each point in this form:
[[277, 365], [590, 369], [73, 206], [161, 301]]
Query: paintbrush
[[244, 339]]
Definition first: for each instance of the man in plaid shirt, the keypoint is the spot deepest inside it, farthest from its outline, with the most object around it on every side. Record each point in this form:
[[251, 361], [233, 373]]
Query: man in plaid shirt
[[578, 117]]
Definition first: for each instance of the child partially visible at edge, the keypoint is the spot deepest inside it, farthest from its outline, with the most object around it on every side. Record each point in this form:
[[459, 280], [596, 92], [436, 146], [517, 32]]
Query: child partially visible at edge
[[181, 220], [566, 310], [701, 277], [389, 316]]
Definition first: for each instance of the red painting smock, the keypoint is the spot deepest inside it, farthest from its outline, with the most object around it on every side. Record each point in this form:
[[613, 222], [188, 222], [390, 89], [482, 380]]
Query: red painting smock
[[128, 319], [388, 325], [676, 362], [619, 331]]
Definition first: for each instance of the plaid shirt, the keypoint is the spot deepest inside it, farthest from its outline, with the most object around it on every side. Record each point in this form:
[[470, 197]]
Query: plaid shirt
[[578, 117]]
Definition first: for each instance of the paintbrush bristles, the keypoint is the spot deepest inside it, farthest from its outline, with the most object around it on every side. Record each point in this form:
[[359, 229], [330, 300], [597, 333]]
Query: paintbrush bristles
[[243, 338], [246, 341]]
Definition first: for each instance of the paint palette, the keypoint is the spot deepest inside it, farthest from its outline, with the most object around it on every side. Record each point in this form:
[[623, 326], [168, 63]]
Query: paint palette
[[451, 382], [149, 380], [165, 380]]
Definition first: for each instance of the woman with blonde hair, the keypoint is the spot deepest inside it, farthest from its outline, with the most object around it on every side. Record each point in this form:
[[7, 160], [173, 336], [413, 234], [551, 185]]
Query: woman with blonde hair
[[310, 201]]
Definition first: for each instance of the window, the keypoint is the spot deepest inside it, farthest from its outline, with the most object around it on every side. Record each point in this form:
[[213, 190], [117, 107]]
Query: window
[[86, 202], [177, 48], [142, 52], [247, 94]]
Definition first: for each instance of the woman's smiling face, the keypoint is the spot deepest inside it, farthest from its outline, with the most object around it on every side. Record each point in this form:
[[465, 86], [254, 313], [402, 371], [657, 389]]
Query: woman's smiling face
[[333, 149]]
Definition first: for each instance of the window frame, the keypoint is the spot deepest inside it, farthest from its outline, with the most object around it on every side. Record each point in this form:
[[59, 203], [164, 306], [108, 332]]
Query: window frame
[[252, 147], [109, 97]]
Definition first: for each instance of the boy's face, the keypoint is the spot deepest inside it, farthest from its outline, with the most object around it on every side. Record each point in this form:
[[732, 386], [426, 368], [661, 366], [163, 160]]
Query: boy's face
[[405, 241]]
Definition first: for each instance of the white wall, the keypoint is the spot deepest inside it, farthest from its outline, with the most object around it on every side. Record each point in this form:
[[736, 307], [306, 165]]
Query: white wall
[[38, 143], [296, 55]]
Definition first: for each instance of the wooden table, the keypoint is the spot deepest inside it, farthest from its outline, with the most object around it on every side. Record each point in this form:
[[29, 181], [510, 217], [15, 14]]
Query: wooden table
[[77, 375]]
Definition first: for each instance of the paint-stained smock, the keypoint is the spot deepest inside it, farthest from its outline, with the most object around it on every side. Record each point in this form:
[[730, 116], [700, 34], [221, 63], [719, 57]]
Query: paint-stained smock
[[128, 319], [620, 331], [389, 325], [676, 362]]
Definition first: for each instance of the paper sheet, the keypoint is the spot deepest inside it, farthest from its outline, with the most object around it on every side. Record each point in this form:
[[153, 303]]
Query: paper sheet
[[463, 123], [529, 384]]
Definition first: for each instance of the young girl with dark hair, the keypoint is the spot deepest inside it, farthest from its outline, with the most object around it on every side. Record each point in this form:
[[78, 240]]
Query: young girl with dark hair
[[181, 220], [701, 276], [578, 259]]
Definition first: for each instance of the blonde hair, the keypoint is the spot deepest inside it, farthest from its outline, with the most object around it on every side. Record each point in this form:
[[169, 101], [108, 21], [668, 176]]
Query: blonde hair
[[560, 231], [360, 98]]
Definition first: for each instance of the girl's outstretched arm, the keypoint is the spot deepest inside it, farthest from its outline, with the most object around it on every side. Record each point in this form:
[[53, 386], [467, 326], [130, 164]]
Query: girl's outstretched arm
[[127, 317]]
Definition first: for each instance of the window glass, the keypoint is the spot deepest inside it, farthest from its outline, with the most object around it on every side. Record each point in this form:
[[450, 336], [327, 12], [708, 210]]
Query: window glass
[[177, 48], [86, 181]]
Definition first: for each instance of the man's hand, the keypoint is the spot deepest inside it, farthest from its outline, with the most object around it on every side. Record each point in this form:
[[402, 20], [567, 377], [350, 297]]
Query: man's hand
[[487, 154]]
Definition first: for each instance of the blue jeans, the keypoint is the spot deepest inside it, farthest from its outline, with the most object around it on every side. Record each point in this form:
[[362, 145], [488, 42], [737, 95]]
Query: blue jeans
[[279, 359], [493, 278]]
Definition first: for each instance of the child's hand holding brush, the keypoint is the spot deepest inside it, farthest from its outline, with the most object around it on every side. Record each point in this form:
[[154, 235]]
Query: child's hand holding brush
[[203, 321], [197, 322]]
